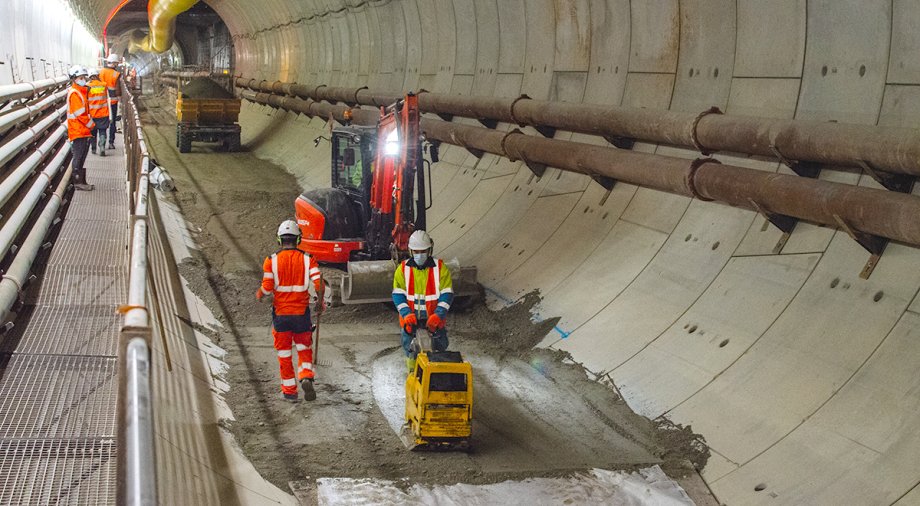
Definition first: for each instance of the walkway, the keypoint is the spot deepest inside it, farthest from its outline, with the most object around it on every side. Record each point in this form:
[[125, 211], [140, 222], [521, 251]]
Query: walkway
[[58, 368]]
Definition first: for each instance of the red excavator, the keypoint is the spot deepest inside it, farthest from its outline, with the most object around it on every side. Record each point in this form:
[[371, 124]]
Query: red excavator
[[377, 199]]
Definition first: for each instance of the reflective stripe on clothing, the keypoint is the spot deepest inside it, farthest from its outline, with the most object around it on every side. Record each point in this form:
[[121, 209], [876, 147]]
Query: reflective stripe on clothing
[[284, 341], [424, 291], [110, 78], [98, 98], [292, 275], [79, 123]]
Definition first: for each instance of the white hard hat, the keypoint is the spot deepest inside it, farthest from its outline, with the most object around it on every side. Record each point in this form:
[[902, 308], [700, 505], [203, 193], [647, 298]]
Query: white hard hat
[[288, 227], [113, 58], [77, 70], [420, 240]]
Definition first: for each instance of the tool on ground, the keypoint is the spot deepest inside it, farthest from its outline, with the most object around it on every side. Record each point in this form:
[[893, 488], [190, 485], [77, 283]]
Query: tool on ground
[[378, 198], [439, 400], [316, 359]]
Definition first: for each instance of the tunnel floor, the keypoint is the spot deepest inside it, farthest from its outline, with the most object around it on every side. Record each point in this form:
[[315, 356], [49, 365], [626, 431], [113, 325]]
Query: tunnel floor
[[536, 413]]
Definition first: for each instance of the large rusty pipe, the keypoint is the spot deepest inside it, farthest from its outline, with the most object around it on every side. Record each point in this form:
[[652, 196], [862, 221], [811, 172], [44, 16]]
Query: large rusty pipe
[[887, 214], [883, 148]]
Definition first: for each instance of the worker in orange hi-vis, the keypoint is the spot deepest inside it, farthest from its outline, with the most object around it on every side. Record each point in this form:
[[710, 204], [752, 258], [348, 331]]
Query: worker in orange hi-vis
[[79, 125], [111, 77], [288, 276], [98, 98]]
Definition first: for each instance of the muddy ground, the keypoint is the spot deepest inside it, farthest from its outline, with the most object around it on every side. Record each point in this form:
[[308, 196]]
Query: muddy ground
[[233, 202]]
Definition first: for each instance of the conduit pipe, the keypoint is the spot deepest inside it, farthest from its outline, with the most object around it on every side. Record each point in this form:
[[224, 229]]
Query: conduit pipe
[[161, 15], [28, 112], [14, 180], [18, 143], [20, 215], [20, 269], [26, 90], [880, 148], [882, 213]]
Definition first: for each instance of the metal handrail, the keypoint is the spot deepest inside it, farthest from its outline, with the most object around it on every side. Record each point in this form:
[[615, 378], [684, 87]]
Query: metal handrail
[[136, 451]]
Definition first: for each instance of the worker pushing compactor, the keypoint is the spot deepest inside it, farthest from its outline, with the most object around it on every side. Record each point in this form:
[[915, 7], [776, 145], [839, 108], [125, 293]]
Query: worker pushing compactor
[[422, 293], [287, 275]]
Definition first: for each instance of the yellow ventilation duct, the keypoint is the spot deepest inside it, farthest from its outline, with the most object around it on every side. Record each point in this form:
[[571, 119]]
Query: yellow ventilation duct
[[162, 16]]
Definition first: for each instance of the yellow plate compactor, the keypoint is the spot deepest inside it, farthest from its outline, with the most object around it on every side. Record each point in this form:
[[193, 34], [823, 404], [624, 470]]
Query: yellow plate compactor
[[439, 402]]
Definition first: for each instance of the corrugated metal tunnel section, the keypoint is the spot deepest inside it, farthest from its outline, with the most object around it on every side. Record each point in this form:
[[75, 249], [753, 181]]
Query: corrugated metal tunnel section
[[781, 341]]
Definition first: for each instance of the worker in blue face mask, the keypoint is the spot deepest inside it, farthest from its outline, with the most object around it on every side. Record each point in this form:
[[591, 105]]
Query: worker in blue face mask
[[422, 293]]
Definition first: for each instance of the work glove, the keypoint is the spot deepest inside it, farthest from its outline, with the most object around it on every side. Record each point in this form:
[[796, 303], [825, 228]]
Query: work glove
[[409, 323], [435, 323], [259, 294]]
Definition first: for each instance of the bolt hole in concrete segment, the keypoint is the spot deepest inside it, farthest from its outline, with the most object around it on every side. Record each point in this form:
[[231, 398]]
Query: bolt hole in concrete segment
[[535, 416]]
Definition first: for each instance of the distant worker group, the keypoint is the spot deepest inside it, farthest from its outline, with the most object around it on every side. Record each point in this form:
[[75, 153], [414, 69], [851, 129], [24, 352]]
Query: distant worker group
[[92, 111]]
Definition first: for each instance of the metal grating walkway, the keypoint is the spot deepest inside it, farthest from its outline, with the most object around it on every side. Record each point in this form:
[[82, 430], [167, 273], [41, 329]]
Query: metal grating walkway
[[58, 382]]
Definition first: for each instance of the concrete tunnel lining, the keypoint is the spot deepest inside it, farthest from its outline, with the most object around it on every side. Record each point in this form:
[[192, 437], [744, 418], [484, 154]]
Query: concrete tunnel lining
[[803, 360]]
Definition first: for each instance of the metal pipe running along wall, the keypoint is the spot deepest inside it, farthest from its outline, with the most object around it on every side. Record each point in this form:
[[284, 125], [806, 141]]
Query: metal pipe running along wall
[[888, 149], [878, 212], [26, 90]]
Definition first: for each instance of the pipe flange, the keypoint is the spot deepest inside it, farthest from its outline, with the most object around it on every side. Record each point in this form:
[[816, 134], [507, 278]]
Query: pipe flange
[[505, 138], [694, 137], [315, 93], [511, 108], [15, 282], [691, 177], [355, 96]]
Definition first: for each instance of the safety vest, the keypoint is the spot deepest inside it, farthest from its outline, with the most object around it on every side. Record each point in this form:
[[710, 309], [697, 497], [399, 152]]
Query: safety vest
[[98, 98], [291, 275], [79, 122], [110, 78], [432, 287]]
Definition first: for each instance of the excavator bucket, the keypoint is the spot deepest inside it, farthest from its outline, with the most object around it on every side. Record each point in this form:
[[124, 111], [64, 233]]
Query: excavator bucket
[[372, 281]]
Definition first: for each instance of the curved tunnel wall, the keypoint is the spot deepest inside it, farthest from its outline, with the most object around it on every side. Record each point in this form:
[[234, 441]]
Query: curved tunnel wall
[[62, 40], [801, 376]]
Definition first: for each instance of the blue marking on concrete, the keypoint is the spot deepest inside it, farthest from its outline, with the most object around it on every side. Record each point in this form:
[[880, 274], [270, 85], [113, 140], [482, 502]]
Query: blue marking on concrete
[[509, 302]]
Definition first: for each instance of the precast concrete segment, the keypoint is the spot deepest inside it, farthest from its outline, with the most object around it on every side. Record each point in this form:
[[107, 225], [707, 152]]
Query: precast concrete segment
[[882, 148]]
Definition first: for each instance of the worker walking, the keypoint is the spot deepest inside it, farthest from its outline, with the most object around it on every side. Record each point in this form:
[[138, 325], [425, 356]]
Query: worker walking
[[98, 98], [422, 293], [287, 275], [79, 125], [111, 77]]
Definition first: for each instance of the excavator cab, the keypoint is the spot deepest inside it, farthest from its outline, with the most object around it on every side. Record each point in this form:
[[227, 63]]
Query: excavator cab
[[332, 220], [378, 198]]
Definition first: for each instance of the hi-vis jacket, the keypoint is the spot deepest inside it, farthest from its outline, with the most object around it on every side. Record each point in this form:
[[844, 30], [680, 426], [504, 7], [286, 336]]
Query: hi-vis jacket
[[98, 98], [79, 122], [424, 291], [110, 78], [286, 274]]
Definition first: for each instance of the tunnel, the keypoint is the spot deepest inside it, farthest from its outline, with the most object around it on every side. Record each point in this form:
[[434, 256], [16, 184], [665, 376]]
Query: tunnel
[[781, 342]]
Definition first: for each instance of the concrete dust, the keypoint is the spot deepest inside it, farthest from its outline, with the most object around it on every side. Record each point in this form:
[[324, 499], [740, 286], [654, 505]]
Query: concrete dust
[[526, 398]]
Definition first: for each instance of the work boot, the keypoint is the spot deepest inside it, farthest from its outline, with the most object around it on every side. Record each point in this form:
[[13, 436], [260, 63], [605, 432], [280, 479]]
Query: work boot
[[410, 364], [101, 152], [111, 145], [289, 397], [309, 394], [84, 187], [92, 148]]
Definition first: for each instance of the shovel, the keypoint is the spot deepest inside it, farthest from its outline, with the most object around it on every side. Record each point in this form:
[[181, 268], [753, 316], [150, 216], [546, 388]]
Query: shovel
[[316, 360]]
